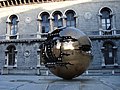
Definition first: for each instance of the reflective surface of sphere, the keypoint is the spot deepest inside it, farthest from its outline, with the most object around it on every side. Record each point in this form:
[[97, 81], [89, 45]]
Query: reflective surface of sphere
[[66, 52]]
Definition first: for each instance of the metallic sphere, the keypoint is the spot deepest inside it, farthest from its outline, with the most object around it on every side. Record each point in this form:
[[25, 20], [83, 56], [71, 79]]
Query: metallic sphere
[[66, 52]]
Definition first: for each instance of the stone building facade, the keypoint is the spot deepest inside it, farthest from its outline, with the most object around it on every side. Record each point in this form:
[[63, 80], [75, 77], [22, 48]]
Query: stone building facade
[[24, 25]]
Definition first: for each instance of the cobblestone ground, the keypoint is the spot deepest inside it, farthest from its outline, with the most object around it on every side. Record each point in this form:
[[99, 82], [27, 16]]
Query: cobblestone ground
[[25, 82]]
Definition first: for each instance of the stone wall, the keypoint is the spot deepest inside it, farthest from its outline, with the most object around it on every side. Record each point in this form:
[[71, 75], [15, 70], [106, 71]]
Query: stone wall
[[87, 21]]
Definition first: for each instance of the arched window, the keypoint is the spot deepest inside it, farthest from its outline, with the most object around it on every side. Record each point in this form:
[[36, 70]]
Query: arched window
[[58, 22], [12, 26], [106, 19], [10, 56], [70, 18], [45, 22]]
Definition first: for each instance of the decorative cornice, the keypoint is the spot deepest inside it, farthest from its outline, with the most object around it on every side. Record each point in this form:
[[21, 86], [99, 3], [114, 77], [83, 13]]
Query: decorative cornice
[[21, 40], [8, 3], [102, 37], [92, 37]]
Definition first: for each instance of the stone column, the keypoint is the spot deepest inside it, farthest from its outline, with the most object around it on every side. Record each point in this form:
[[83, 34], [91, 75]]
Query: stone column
[[15, 58], [24, 1], [12, 2], [64, 21], [103, 60], [37, 1], [4, 3], [100, 24], [76, 21], [16, 2], [51, 24], [38, 62], [33, 1], [28, 1], [20, 2], [113, 24], [18, 36], [115, 56], [8, 3], [8, 30], [0, 5], [38, 58], [6, 58], [42, 1], [39, 29]]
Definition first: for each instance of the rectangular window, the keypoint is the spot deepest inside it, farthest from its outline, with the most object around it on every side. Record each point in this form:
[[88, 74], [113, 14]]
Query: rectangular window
[[68, 23], [108, 20], [110, 54], [103, 21]]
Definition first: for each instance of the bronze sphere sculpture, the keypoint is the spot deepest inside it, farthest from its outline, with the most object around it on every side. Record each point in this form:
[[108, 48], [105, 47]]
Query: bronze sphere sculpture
[[66, 52]]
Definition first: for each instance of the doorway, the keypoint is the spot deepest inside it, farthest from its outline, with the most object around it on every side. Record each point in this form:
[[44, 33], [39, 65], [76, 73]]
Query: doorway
[[109, 53]]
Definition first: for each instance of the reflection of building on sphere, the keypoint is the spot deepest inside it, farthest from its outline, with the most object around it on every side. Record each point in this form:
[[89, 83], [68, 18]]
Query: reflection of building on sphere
[[66, 52]]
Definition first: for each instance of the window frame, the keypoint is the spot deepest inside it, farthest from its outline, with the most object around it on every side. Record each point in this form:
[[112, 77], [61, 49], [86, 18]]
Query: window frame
[[57, 19], [45, 22], [12, 27], [105, 27], [70, 18], [10, 56]]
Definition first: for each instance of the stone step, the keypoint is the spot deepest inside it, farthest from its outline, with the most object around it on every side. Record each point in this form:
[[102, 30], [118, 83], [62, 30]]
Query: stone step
[[103, 72]]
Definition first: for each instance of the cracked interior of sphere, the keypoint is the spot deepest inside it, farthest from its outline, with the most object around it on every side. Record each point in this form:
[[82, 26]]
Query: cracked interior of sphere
[[66, 52]]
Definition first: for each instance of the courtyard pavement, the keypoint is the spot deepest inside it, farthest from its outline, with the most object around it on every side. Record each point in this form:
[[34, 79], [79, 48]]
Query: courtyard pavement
[[27, 82]]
